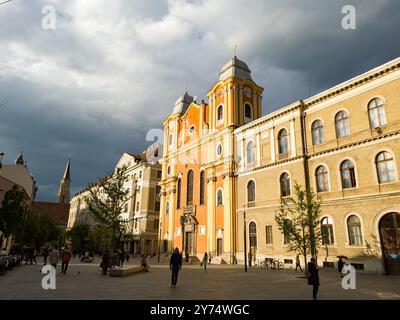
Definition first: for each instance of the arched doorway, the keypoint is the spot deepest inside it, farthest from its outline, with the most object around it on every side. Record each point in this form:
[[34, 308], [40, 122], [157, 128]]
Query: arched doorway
[[389, 232], [252, 241]]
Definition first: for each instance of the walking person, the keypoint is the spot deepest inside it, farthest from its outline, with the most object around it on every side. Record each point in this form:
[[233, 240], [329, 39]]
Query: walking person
[[175, 264], [121, 258], [54, 256], [34, 254], [313, 278], [45, 253], [105, 262], [205, 261], [66, 256], [340, 266], [298, 263]]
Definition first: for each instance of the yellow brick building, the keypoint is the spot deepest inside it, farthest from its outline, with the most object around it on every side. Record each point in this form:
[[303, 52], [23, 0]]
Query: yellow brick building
[[346, 142]]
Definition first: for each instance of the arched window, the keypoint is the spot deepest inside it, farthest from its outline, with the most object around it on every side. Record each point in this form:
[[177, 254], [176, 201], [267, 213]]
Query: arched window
[[251, 192], [376, 111], [347, 174], [321, 178], [220, 200], [250, 152], [178, 193], [167, 208], [342, 124], [385, 167], [253, 234], [285, 184], [170, 140], [354, 228], [189, 189], [317, 132], [327, 231], [220, 113], [283, 142], [248, 112], [202, 184]]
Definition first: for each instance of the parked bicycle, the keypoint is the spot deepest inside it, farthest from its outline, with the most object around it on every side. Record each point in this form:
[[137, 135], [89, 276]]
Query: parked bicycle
[[271, 263]]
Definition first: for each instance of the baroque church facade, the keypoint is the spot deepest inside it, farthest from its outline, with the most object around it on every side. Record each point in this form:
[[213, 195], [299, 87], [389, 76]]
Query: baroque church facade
[[223, 161]]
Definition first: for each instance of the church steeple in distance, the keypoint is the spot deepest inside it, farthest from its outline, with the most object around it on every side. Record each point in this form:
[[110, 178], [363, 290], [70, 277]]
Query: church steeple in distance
[[63, 191]]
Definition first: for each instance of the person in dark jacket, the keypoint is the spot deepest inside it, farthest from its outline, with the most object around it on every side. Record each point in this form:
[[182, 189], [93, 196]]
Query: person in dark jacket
[[175, 264], [340, 266], [45, 255], [105, 262], [313, 278]]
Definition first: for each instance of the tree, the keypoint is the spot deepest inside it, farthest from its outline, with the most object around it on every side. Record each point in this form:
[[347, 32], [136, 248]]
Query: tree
[[40, 229], [106, 203], [12, 211], [78, 234], [298, 219]]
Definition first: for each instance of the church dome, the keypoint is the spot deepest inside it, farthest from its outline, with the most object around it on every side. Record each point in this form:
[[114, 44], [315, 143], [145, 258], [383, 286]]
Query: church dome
[[182, 103], [235, 68]]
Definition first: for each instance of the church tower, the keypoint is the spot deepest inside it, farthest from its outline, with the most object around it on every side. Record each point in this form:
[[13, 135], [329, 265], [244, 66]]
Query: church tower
[[63, 192]]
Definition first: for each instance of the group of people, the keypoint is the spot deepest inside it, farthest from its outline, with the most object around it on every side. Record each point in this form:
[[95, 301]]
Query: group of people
[[109, 261]]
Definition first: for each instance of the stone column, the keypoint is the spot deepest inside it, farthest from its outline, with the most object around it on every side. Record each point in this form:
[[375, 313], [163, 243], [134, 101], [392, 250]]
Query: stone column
[[293, 151], [258, 149], [272, 141]]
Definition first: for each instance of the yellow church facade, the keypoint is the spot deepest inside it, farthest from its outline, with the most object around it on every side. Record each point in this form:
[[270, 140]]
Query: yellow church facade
[[223, 160]]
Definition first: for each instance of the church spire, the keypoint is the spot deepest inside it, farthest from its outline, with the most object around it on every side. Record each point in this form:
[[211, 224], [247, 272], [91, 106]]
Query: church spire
[[63, 192], [67, 173]]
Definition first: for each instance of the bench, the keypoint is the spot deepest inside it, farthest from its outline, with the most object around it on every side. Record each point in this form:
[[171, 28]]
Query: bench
[[126, 271]]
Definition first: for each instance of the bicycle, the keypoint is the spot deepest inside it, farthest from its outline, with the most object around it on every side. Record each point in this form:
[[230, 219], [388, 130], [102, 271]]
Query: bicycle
[[271, 263]]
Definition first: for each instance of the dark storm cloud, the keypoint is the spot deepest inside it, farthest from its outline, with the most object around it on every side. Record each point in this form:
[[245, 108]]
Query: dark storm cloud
[[112, 70]]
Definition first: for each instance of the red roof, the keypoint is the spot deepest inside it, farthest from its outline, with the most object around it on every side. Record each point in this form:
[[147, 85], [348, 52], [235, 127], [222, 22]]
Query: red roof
[[58, 212]]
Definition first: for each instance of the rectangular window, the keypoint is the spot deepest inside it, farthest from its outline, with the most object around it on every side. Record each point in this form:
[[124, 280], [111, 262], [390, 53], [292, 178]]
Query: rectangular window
[[126, 207], [157, 206], [158, 190], [268, 234], [288, 261], [327, 264], [358, 266], [137, 206], [202, 180], [156, 223], [159, 173]]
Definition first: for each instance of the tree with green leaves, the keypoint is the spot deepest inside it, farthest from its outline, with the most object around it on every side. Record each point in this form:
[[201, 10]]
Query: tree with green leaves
[[39, 230], [78, 234], [12, 212], [106, 203], [298, 219]]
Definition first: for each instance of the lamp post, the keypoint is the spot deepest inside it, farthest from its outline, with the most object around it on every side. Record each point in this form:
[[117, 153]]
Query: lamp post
[[244, 237], [1, 159], [159, 241]]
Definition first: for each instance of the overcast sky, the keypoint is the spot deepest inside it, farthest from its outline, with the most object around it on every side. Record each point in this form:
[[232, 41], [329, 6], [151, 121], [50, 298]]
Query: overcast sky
[[112, 70]]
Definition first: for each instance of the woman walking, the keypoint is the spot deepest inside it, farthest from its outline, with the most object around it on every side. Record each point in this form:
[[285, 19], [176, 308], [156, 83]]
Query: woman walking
[[205, 261], [54, 255]]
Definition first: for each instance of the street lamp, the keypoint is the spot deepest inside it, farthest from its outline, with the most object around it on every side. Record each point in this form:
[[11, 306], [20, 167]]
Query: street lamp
[[1, 159], [159, 241], [244, 237]]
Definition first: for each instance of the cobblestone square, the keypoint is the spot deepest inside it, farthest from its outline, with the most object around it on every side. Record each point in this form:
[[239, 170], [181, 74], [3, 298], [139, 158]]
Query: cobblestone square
[[84, 281]]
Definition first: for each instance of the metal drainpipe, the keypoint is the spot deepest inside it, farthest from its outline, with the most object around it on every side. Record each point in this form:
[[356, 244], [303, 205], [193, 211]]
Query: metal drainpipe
[[306, 168]]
